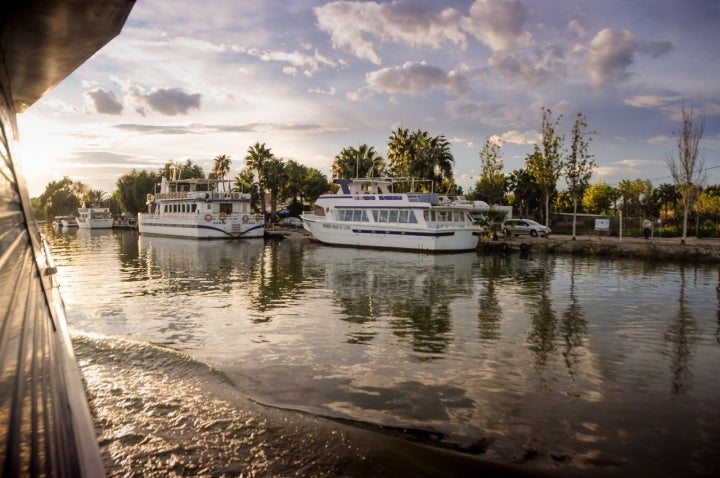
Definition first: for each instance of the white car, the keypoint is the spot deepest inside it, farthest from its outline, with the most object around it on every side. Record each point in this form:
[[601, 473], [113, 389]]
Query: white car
[[515, 227]]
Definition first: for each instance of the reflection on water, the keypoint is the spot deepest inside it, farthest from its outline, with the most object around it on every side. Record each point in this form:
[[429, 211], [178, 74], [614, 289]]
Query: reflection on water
[[560, 362]]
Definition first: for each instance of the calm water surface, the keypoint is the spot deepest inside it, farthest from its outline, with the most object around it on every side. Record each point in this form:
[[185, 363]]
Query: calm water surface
[[549, 363]]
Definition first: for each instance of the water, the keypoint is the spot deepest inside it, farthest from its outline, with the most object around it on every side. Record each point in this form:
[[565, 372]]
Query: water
[[287, 358]]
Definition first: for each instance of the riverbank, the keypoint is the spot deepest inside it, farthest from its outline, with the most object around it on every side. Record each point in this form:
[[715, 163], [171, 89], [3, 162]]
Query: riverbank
[[694, 250]]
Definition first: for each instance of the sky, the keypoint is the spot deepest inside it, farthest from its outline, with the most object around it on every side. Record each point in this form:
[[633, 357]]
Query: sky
[[194, 80]]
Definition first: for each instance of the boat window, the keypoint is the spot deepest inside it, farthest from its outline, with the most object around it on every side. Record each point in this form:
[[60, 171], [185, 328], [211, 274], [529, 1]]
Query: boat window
[[358, 214], [393, 217], [193, 207], [412, 219], [403, 217], [383, 216], [226, 207]]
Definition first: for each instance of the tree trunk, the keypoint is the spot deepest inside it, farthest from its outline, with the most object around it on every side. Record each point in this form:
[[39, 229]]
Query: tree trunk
[[574, 215]]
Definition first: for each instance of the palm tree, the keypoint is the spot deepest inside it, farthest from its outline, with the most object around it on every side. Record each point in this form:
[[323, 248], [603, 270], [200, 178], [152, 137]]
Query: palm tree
[[363, 162], [275, 180], [257, 156], [221, 166], [399, 153]]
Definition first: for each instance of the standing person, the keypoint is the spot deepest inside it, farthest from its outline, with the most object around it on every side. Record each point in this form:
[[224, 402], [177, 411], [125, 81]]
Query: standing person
[[647, 228]]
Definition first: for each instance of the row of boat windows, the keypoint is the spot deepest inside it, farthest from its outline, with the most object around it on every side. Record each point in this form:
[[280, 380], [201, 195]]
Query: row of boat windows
[[181, 207], [401, 216], [227, 208]]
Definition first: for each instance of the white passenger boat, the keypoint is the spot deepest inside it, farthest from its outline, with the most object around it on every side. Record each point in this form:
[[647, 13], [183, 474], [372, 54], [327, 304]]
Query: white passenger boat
[[200, 209], [94, 215], [366, 212]]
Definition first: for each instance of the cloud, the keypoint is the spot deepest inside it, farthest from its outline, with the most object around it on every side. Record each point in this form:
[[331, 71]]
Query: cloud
[[416, 78], [498, 23], [352, 25], [104, 102], [205, 129], [611, 54], [535, 72], [518, 137], [166, 101]]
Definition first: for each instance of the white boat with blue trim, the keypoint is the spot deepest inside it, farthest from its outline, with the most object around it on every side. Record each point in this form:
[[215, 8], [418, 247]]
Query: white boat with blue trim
[[200, 209], [367, 212]]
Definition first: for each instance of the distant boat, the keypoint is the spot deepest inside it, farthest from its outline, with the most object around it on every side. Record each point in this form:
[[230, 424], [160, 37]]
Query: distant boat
[[367, 212], [69, 221], [200, 209], [94, 215]]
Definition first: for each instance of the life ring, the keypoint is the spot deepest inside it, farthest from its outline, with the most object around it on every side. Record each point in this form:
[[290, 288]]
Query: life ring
[[208, 217], [222, 216], [245, 218]]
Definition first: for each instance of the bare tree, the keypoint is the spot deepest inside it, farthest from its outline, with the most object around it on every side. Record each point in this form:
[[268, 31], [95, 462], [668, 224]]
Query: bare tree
[[687, 169]]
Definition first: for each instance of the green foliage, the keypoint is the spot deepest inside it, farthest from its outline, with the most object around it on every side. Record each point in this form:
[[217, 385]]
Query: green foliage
[[419, 155], [545, 162], [188, 170], [360, 162], [60, 198], [492, 184], [133, 188]]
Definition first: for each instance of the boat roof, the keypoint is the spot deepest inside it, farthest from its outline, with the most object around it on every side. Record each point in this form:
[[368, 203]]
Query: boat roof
[[383, 184]]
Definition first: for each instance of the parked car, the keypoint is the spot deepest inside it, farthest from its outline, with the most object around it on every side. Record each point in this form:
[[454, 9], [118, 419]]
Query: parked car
[[515, 227], [291, 222]]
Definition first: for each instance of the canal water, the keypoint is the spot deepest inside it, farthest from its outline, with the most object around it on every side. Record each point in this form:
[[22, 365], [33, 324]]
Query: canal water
[[289, 358]]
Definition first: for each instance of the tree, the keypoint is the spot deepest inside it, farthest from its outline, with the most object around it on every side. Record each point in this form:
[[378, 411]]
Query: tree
[[545, 163], [257, 157], [635, 195], [599, 198], [687, 169], [525, 191], [578, 164], [666, 195], [363, 162], [419, 155], [221, 166], [275, 181], [492, 183], [399, 153], [132, 190], [173, 170], [315, 183], [60, 198]]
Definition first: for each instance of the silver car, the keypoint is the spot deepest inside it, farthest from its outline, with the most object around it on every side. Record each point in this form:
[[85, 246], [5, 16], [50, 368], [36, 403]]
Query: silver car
[[515, 227]]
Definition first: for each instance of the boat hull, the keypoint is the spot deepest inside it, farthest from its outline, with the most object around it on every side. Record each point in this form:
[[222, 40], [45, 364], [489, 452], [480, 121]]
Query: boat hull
[[200, 229], [382, 237], [95, 224]]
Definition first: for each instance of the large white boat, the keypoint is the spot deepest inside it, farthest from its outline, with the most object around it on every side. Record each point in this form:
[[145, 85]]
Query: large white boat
[[367, 212], [94, 215], [200, 209]]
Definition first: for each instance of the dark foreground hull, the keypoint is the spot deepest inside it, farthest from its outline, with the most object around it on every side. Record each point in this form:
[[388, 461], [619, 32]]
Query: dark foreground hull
[[45, 423]]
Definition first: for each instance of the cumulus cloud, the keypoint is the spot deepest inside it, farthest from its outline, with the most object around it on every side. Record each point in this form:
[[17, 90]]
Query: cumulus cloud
[[104, 102], [498, 23], [518, 137], [166, 101], [611, 54], [416, 78], [546, 64], [355, 26]]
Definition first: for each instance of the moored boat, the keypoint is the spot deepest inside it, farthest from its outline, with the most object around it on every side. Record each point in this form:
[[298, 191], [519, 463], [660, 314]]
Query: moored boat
[[200, 209], [367, 212], [94, 215], [69, 221]]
